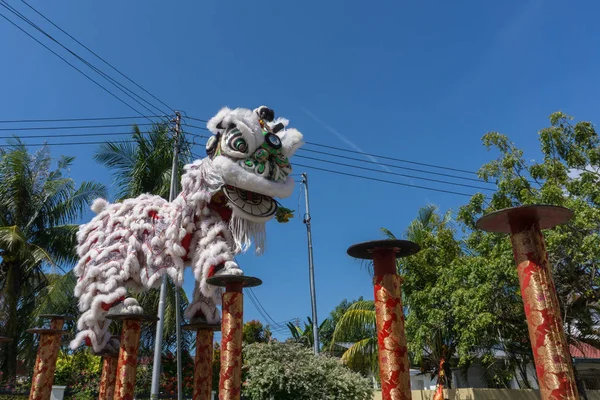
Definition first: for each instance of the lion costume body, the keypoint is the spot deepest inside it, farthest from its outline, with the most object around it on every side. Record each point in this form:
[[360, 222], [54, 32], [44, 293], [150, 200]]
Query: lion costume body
[[225, 201]]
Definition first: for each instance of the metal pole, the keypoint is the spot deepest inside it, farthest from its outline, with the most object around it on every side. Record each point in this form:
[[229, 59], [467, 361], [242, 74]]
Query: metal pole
[[163, 290], [311, 269]]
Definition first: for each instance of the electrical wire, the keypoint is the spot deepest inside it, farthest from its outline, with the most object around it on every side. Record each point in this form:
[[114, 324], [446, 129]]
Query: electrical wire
[[77, 119], [100, 58], [195, 119], [71, 127], [296, 164], [67, 143], [394, 166], [71, 135], [274, 326], [391, 158], [395, 173], [73, 66], [384, 180], [115, 83]]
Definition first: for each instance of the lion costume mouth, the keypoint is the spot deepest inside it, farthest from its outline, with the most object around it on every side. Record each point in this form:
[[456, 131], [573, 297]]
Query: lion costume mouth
[[254, 205]]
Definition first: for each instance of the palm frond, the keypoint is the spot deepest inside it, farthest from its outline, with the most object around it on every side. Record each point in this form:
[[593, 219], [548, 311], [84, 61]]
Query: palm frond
[[362, 355]]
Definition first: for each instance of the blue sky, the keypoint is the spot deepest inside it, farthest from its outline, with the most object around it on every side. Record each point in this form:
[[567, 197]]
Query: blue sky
[[421, 81]]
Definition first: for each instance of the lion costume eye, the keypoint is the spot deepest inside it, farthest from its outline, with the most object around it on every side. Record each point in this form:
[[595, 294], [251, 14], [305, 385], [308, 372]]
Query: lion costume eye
[[236, 141]]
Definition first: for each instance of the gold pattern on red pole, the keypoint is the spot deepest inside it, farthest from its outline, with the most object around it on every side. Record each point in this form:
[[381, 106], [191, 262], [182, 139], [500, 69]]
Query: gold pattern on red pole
[[45, 362], [127, 364], [203, 365], [548, 342], [108, 377], [393, 353], [231, 346]]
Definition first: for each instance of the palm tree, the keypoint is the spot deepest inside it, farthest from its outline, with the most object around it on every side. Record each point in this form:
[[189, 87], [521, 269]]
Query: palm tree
[[305, 336], [37, 207], [143, 165], [358, 322]]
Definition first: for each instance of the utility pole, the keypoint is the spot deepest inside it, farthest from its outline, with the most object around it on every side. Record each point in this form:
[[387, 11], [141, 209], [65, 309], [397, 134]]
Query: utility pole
[[163, 288], [311, 269]]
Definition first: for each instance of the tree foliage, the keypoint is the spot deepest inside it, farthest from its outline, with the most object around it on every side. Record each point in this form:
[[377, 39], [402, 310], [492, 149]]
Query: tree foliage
[[38, 204], [291, 371], [255, 332], [566, 175]]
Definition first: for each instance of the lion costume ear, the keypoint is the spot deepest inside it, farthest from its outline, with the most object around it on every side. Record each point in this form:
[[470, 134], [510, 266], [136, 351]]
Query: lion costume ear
[[215, 123]]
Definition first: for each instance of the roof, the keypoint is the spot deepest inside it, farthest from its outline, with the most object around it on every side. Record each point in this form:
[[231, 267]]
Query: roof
[[583, 350]]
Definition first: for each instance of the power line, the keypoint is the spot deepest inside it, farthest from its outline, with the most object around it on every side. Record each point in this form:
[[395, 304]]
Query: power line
[[394, 166], [115, 83], [77, 119], [391, 158], [198, 127], [276, 328], [71, 127], [73, 66], [383, 180], [67, 143], [380, 156], [395, 173], [71, 135], [100, 58], [195, 119]]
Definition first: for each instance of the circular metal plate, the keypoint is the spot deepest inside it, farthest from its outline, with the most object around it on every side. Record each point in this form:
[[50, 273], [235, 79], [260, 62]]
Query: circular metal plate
[[224, 280], [132, 317], [401, 248], [512, 220], [197, 324], [4, 339], [44, 331], [56, 316]]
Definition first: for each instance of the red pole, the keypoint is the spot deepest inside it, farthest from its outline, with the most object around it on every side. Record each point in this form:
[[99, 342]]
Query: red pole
[[128, 353], [394, 366], [109, 376], [231, 342], [546, 333], [47, 354], [203, 370], [231, 327]]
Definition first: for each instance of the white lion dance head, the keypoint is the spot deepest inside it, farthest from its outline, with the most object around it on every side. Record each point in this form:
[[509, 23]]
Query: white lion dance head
[[225, 201]]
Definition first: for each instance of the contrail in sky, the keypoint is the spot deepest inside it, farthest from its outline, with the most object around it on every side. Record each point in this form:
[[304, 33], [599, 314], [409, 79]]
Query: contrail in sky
[[345, 139]]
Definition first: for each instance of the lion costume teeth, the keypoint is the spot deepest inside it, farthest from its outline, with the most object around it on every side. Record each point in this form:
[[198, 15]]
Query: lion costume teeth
[[225, 201]]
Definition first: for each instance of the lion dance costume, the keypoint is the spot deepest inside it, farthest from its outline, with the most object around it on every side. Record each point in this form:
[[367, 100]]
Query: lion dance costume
[[225, 201]]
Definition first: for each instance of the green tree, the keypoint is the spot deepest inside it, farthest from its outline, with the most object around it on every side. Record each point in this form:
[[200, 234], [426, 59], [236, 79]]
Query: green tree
[[292, 371], [433, 317], [566, 175], [255, 332], [357, 331], [38, 205], [141, 165], [326, 332], [305, 335]]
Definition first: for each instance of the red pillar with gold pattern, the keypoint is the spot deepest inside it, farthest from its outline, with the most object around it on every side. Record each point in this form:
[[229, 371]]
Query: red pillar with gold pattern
[[47, 354], [203, 369], [128, 353], [546, 332], [108, 377], [231, 336], [394, 366]]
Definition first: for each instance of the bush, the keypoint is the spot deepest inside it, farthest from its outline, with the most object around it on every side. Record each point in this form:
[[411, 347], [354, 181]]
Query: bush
[[290, 371]]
